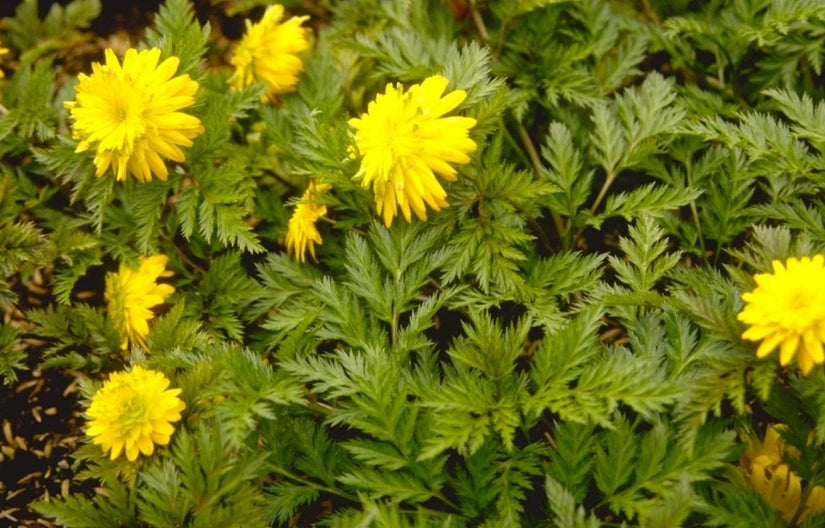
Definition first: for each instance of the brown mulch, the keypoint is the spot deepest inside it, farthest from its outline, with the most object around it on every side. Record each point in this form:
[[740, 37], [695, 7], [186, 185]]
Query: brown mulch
[[40, 419], [40, 426]]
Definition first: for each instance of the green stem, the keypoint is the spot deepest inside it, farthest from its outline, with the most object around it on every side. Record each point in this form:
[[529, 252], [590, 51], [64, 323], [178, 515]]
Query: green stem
[[478, 21], [166, 237], [694, 211], [611, 177], [649, 13], [312, 484], [500, 44], [394, 327], [608, 181], [558, 223], [319, 407]]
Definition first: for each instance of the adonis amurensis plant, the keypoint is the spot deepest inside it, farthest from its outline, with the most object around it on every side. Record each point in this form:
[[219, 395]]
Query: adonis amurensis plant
[[361, 263]]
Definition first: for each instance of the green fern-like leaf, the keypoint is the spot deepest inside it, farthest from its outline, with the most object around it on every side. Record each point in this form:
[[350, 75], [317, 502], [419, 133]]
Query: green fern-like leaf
[[283, 499], [178, 34], [12, 355], [563, 505]]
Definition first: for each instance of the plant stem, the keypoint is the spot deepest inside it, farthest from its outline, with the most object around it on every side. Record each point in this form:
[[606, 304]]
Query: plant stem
[[611, 176], [649, 13], [502, 33], [312, 484], [694, 211], [319, 407], [394, 327], [479, 22], [536, 161]]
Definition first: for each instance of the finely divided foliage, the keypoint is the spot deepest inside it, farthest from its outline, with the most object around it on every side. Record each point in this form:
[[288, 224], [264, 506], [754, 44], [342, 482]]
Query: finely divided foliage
[[442, 263]]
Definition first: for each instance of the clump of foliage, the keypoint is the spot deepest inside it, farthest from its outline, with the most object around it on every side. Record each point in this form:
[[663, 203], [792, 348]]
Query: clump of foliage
[[559, 346]]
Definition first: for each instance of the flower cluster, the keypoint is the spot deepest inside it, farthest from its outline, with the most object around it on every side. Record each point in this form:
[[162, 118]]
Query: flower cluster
[[268, 52], [404, 142], [132, 412], [773, 479], [130, 115], [302, 235], [132, 293], [787, 309]]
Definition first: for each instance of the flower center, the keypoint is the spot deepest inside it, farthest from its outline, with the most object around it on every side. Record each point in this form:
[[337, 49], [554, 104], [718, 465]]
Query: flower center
[[801, 308], [124, 110], [134, 407]]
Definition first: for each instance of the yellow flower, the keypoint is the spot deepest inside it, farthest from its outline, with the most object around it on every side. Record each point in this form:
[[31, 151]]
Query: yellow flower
[[132, 412], [773, 479], [787, 309], [129, 115], [268, 52], [404, 142], [3, 51], [301, 231], [132, 293]]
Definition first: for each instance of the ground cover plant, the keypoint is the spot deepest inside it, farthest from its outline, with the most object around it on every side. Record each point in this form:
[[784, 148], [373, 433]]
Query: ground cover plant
[[430, 263]]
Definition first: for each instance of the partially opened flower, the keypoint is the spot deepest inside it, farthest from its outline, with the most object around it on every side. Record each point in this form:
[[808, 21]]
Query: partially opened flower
[[404, 142], [774, 480], [132, 293], [787, 310], [133, 412], [129, 114], [302, 235], [268, 52]]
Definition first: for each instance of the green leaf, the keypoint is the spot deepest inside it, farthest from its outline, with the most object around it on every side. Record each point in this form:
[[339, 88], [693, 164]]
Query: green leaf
[[12, 354], [283, 499], [566, 171], [474, 482], [22, 246], [58, 29], [650, 199], [645, 253], [394, 486], [467, 409], [177, 33], [636, 125], [563, 506], [571, 461], [559, 360], [30, 99], [205, 482], [515, 476]]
